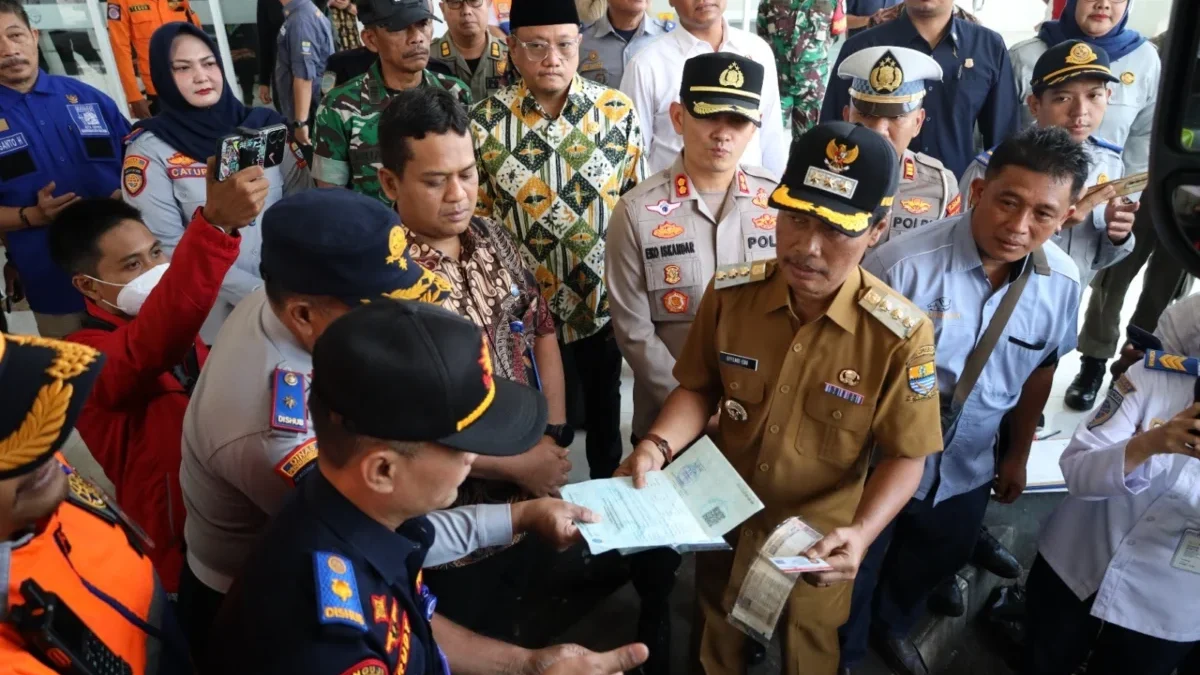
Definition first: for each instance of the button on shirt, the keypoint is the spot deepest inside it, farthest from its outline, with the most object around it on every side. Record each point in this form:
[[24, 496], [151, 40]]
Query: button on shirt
[[604, 52], [664, 244], [61, 131], [939, 269], [305, 43], [331, 590], [652, 80], [237, 469], [1116, 534], [977, 86], [1130, 116], [553, 183]]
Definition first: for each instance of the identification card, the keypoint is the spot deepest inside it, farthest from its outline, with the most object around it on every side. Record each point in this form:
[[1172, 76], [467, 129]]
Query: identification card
[[1187, 554]]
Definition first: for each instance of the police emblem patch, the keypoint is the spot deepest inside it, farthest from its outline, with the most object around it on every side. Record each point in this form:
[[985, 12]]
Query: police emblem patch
[[671, 274], [764, 222], [133, 174], [760, 199], [839, 156], [667, 230], [886, 76], [675, 302], [337, 589], [915, 205], [1112, 403], [114, 11], [1128, 78], [922, 378], [367, 667]]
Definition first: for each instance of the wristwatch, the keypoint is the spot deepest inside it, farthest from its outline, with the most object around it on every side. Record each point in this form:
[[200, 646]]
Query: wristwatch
[[563, 434], [663, 446]]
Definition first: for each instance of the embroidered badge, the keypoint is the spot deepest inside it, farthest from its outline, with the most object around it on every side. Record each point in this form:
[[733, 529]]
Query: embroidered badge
[[915, 205], [495, 50], [179, 172], [1081, 54], [681, 186], [1112, 403], [88, 119], [305, 47], [337, 591], [180, 159], [671, 274], [955, 206], [133, 174], [11, 144], [445, 49], [1124, 385], [675, 302], [379, 613], [1127, 78], [764, 222], [663, 208], [667, 230], [738, 360], [849, 377], [839, 156], [288, 386], [367, 667], [922, 378], [910, 168], [114, 11], [760, 199], [735, 410], [844, 394], [742, 186], [298, 463]]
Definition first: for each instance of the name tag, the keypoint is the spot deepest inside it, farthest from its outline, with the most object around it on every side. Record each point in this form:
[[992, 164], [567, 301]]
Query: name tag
[[1187, 554], [11, 144], [88, 119], [739, 361]]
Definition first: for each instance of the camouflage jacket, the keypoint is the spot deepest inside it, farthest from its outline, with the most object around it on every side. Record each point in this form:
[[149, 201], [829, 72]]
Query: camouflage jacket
[[797, 30], [346, 136]]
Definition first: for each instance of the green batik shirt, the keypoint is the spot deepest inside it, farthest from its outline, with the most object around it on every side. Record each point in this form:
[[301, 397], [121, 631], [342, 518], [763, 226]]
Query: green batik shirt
[[346, 135], [798, 32], [554, 184]]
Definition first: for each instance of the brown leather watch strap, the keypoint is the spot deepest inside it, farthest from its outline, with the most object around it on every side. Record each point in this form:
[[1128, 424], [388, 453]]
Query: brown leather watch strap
[[663, 446]]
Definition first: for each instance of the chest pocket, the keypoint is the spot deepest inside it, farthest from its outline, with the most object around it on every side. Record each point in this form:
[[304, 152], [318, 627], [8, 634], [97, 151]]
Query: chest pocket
[[834, 429], [744, 389], [971, 89], [91, 133], [674, 287], [1018, 353], [189, 186], [16, 158]]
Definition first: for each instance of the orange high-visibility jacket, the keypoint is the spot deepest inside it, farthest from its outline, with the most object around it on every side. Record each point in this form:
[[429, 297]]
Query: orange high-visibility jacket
[[79, 542], [130, 25]]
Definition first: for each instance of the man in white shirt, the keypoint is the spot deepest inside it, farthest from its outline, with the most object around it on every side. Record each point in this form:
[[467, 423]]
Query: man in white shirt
[[652, 80]]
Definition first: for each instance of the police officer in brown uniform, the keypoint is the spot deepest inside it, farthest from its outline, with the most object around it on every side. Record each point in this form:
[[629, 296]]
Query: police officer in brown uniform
[[814, 362], [665, 241], [471, 52], [887, 94]]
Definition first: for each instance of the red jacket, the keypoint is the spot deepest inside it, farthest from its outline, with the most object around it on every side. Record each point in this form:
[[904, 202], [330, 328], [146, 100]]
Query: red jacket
[[133, 420]]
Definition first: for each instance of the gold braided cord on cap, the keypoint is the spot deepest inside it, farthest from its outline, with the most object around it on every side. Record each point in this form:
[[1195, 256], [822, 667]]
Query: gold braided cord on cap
[[702, 108], [853, 222], [1071, 69], [727, 90], [873, 98], [71, 358], [41, 427]]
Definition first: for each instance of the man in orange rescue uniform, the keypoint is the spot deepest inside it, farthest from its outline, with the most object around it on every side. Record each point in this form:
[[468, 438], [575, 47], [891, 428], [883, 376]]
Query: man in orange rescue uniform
[[75, 579], [130, 25]]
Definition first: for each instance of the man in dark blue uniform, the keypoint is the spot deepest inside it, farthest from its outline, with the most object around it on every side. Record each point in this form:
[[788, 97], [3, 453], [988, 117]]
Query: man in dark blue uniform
[[60, 140], [403, 400], [977, 83]]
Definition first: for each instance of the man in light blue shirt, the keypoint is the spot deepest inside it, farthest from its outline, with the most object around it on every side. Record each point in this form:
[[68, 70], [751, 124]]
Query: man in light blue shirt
[[959, 270], [305, 44]]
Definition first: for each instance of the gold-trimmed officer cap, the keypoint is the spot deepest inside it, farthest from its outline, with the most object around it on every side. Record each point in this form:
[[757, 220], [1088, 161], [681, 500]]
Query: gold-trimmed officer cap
[[845, 174], [1068, 61], [718, 83], [888, 81], [43, 384]]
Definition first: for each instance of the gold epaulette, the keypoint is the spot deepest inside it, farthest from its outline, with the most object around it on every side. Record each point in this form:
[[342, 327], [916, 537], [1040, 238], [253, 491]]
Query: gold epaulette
[[743, 273], [892, 311]]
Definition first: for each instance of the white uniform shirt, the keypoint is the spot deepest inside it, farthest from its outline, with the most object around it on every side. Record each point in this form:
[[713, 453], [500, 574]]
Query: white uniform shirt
[[652, 78], [1130, 115], [237, 469], [1116, 534], [176, 185]]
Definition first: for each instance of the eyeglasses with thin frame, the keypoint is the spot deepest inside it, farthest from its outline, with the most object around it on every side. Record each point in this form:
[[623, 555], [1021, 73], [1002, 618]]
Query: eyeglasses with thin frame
[[458, 4], [538, 51]]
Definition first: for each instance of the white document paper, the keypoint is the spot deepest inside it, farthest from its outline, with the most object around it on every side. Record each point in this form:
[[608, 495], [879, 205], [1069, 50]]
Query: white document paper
[[693, 502], [769, 581], [1042, 472]]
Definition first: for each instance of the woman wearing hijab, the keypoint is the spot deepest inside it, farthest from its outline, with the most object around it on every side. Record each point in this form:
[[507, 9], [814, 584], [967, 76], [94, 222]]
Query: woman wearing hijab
[[1104, 24], [164, 171]]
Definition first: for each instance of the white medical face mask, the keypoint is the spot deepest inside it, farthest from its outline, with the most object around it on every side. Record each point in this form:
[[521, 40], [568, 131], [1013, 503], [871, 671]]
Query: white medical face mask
[[133, 294]]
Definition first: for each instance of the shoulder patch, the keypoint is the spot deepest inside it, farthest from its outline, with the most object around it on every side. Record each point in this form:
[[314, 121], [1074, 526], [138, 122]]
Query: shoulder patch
[[1106, 145], [114, 11], [337, 591], [1112, 403], [1172, 363], [955, 206], [445, 49], [133, 174], [289, 411], [984, 157], [367, 667], [891, 311], [740, 274], [909, 171], [298, 463]]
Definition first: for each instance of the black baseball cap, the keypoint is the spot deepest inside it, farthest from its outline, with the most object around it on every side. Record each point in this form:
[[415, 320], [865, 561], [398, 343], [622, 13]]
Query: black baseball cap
[[1070, 60], [337, 242], [721, 82], [410, 371], [393, 14], [845, 174]]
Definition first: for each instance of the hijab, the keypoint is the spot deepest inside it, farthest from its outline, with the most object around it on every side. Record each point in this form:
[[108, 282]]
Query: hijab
[[191, 130], [1117, 42]]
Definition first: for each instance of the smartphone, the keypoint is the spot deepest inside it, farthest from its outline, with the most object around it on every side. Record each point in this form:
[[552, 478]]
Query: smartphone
[[250, 147], [228, 162], [276, 137], [1142, 339]]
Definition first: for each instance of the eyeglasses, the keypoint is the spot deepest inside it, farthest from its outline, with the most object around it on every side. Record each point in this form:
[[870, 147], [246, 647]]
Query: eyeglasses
[[458, 4], [538, 51]]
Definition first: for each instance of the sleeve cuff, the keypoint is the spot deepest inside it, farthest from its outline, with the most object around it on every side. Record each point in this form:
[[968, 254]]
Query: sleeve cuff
[[1135, 481], [495, 524], [332, 171]]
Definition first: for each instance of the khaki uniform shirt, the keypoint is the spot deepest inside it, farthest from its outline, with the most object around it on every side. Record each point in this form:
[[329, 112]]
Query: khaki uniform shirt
[[491, 73], [928, 193], [802, 405], [664, 244]]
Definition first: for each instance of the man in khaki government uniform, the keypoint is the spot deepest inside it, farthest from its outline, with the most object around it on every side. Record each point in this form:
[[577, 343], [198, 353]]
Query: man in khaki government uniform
[[814, 362], [472, 53], [665, 241], [887, 94]]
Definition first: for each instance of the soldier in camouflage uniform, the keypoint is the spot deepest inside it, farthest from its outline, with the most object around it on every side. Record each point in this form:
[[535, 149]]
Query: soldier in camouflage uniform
[[799, 34], [346, 137]]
